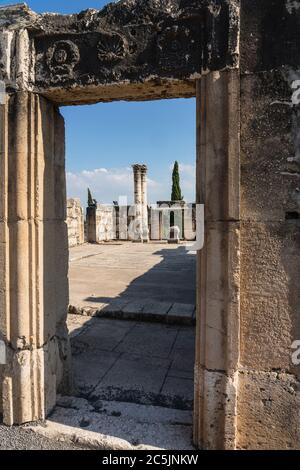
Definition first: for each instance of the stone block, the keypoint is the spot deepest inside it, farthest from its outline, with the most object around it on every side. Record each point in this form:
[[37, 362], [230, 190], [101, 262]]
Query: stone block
[[156, 311], [268, 411], [270, 269], [114, 308], [182, 313], [219, 296], [133, 309], [270, 165]]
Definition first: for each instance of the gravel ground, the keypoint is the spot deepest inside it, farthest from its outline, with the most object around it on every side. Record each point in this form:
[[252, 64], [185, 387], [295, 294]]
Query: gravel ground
[[15, 438]]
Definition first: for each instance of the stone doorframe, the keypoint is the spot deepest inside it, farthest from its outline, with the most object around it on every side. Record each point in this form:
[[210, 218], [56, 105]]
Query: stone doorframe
[[145, 50]]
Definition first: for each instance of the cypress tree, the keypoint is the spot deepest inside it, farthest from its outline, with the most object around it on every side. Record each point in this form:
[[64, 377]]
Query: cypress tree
[[176, 190]]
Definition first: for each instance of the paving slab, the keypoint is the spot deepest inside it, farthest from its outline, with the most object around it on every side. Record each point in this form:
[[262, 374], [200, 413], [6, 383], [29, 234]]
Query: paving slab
[[103, 335], [182, 366], [147, 339], [156, 311], [185, 341], [133, 362], [178, 388], [90, 368], [133, 309], [132, 374], [180, 311]]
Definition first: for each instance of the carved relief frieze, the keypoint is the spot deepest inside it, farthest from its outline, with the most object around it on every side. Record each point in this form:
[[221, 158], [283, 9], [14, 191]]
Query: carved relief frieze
[[177, 47], [61, 59], [112, 47]]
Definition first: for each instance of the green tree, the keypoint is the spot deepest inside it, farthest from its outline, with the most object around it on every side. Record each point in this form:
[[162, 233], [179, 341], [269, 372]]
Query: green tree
[[176, 190]]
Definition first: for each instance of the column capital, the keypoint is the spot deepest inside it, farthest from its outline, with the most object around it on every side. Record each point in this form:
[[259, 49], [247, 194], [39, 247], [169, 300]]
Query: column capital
[[139, 168]]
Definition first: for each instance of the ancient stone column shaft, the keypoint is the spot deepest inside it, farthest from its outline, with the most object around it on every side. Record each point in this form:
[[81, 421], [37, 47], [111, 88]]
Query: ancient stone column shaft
[[143, 171], [137, 188], [34, 251]]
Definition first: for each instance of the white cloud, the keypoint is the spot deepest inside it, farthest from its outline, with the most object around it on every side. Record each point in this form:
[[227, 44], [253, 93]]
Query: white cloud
[[108, 184]]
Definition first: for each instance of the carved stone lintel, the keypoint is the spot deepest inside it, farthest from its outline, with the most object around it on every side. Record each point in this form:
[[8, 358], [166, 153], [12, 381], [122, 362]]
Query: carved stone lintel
[[112, 47], [62, 57]]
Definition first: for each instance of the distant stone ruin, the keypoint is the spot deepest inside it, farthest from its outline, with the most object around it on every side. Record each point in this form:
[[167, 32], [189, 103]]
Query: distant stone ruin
[[75, 222], [140, 222]]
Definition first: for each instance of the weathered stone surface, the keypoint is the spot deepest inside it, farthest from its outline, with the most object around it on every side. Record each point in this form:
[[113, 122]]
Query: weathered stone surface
[[216, 394], [270, 255], [268, 411], [119, 426], [270, 165], [75, 222], [269, 34], [156, 310], [34, 297], [176, 40], [130, 362]]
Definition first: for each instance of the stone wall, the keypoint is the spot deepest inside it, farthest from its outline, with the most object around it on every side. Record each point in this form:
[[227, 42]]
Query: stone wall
[[107, 222], [101, 223], [176, 213], [75, 222], [269, 382]]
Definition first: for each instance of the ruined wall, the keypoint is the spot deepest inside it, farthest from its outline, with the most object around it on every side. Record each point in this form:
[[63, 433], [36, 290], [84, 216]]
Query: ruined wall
[[269, 384], [155, 48], [75, 222], [101, 223]]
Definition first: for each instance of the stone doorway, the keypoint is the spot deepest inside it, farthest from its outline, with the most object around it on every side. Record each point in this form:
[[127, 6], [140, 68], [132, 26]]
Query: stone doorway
[[236, 58], [34, 316], [132, 309]]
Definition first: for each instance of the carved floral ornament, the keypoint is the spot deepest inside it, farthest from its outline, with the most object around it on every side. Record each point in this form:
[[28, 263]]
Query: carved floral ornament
[[112, 47], [175, 46], [62, 58], [172, 39]]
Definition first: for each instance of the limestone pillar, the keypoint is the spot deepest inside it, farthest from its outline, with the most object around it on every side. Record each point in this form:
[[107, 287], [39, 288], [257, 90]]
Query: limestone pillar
[[91, 224], [34, 258], [217, 330], [144, 188], [140, 202]]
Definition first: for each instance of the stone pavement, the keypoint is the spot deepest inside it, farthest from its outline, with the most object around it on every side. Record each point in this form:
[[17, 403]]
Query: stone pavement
[[133, 380], [133, 386], [150, 282], [133, 362]]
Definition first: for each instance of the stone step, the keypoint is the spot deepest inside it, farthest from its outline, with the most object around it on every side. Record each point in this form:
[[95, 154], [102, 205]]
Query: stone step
[[141, 310], [140, 397], [118, 426]]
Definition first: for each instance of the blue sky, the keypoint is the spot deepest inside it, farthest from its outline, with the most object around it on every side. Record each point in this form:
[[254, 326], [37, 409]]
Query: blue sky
[[103, 140]]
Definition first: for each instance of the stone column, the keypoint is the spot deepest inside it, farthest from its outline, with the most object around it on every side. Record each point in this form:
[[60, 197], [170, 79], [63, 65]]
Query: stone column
[[137, 188], [144, 189], [140, 201], [218, 309], [91, 224], [34, 258]]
